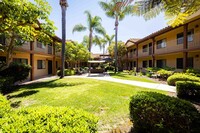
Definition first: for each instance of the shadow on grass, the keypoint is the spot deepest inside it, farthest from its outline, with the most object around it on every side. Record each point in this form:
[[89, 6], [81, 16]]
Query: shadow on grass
[[49, 84], [15, 104], [24, 94]]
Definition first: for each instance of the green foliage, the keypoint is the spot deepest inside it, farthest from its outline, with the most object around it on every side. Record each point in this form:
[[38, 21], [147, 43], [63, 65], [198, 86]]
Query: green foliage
[[164, 74], [18, 71], [193, 72], [152, 69], [154, 112], [181, 77], [188, 89], [49, 119], [121, 49], [4, 106], [6, 84], [68, 72]]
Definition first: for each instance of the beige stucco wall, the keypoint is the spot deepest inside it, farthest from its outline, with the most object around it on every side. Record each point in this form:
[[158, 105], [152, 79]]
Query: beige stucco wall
[[140, 48], [40, 72]]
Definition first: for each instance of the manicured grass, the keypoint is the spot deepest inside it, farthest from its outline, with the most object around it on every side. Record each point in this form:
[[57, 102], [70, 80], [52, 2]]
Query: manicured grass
[[126, 76], [109, 101]]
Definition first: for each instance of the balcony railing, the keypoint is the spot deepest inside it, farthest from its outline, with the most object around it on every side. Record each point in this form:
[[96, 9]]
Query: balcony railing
[[50, 49]]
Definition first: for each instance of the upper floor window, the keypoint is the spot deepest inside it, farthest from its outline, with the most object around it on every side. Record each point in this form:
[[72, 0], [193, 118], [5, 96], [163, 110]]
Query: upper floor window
[[40, 45], [20, 60], [134, 51], [145, 48], [190, 35], [161, 44], [2, 40], [179, 38]]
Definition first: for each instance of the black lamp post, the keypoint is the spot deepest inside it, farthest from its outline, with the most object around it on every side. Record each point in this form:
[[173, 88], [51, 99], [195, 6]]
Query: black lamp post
[[64, 5]]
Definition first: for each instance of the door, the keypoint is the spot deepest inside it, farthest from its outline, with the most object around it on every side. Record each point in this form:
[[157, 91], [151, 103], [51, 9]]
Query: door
[[49, 67]]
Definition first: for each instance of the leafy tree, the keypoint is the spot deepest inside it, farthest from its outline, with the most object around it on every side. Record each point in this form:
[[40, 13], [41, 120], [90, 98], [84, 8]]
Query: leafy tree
[[22, 20], [94, 25], [175, 11], [121, 48]]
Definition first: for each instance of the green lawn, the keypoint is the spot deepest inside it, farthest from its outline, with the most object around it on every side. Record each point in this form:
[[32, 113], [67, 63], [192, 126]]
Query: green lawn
[[109, 101], [122, 75]]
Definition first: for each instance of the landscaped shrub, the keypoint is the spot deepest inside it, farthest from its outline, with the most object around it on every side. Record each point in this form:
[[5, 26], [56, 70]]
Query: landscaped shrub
[[18, 71], [4, 106], [193, 72], [49, 119], [188, 89], [164, 74], [6, 84], [156, 113], [68, 72], [181, 77]]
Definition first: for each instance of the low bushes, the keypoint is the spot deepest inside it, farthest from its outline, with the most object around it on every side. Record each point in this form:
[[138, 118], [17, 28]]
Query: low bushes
[[181, 77], [164, 74], [45, 119], [68, 72], [4, 106], [154, 112], [188, 89], [193, 72]]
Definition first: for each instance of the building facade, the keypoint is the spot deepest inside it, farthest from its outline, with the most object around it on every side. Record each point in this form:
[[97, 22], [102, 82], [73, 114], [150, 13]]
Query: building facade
[[43, 59], [177, 47]]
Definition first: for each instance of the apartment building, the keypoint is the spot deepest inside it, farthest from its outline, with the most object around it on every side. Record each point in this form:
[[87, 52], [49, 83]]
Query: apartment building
[[44, 59], [177, 47]]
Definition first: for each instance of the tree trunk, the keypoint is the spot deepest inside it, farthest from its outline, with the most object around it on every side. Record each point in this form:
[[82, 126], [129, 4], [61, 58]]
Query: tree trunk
[[116, 31], [90, 41], [9, 52]]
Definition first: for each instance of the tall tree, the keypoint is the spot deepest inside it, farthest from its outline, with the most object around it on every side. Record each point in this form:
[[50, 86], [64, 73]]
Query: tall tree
[[94, 25], [109, 39], [118, 10], [175, 11], [22, 20]]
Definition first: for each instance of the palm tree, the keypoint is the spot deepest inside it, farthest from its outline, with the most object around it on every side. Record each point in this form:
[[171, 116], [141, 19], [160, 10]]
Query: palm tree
[[94, 25], [101, 42], [117, 9], [109, 39]]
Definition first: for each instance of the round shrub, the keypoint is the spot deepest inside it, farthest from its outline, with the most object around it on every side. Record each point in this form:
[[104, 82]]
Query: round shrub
[[4, 106], [154, 113], [49, 119], [6, 84], [181, 77], [164, 74], [188, 89]]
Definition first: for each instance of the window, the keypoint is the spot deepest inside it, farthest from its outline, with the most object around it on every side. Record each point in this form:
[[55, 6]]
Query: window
[[134, 64], [150, 63], [40, 45], [190, 35], [2, 40], [160, 63], [145, 48], [144, 64], [190, 62], [179, 63], [20, 60], [179, 38], [134, 51], [41, 64], [161, 44]]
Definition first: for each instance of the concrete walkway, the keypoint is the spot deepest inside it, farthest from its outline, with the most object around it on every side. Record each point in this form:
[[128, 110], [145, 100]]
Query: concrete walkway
[[106, 77]]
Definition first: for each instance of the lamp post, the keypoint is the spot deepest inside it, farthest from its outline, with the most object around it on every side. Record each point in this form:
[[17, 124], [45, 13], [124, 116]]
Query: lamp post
[[64, 5], [119, 4]]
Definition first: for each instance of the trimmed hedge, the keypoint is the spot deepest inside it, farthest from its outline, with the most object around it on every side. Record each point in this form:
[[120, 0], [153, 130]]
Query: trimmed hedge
[[4, 106], [164, 74], [49, 119], [68, 72], [181, 77], [188, 89], [154, 113]]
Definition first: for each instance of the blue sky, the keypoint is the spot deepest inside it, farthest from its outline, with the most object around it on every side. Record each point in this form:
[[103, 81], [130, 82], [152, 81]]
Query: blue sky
[[130, 27]]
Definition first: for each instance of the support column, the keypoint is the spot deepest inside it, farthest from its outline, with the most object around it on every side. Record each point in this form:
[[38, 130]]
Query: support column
[[153, 52], [137, 70], [32, 60], [54, 59], [185, 46]]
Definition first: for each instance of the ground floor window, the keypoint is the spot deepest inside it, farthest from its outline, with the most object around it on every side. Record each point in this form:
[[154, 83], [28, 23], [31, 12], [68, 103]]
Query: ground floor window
[[179, 63], [160, 63], [144, 64], [20, 60], [134, 64], [150, 63], [41, 64]]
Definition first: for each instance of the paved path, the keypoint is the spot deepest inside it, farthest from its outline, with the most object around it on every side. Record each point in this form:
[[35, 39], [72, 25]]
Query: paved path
[[106, 77]]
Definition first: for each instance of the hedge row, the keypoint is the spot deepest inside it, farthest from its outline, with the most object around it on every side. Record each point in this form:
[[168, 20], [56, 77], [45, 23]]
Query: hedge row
[[45, 119], [154, 113], [188, 89], [181, 77]]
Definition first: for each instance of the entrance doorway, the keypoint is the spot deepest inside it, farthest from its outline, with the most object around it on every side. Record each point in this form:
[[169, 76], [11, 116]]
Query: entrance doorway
[[49, 67]]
